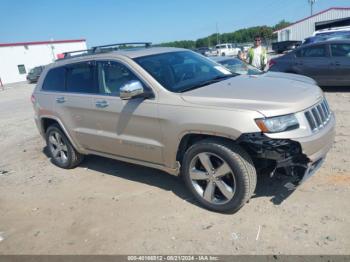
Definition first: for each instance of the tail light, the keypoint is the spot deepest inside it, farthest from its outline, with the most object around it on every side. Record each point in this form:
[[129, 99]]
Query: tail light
[[32, 98], [272, 62]]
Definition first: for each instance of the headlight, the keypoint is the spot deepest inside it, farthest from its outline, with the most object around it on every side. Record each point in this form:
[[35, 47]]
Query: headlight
[[277, 124]]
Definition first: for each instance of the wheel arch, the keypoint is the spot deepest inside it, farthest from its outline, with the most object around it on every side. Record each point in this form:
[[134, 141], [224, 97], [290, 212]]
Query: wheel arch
[[47, 121], [190, 138]]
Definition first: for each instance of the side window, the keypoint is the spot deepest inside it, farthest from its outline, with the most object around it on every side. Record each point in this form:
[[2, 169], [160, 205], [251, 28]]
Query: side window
[[80, 78], [314, 51], [298, 53], [112, 76], [340, 50], [54, 80]]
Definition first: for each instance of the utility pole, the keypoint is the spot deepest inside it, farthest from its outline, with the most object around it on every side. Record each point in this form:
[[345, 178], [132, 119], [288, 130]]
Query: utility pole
[[312, 2], [217, 34]]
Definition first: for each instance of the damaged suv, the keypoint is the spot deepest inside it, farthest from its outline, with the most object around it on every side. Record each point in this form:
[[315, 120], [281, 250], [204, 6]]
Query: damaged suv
[[175, 110]]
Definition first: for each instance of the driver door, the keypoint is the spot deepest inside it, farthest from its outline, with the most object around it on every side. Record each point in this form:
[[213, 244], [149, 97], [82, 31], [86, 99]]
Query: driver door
[[126, 128]]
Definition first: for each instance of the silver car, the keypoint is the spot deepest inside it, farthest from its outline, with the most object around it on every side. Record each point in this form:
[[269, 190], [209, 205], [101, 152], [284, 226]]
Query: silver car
[[177, 111]]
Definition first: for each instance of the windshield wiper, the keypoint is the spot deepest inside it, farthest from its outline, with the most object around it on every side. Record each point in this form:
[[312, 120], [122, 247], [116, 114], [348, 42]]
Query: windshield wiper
[[211, 81]]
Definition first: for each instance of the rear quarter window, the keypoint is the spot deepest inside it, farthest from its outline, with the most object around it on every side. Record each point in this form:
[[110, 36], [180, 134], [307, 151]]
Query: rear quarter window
[[313, 51], [340, 50], [54, 80]]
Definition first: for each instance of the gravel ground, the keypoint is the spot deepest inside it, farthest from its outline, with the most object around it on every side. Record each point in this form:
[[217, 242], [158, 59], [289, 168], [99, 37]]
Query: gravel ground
[[110, 207]]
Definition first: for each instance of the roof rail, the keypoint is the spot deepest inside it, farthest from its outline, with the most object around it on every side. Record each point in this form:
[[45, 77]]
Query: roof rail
[[102, 49], [116, 46], [68, 54]]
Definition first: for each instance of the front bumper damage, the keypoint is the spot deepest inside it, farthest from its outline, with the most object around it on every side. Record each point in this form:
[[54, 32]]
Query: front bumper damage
[[284, 155]]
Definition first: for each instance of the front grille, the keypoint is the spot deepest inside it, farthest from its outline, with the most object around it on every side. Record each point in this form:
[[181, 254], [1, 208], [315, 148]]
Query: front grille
[[318, 116]]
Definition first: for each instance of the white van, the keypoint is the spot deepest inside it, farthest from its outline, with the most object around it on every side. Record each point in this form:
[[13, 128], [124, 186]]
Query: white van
[[227, 50]]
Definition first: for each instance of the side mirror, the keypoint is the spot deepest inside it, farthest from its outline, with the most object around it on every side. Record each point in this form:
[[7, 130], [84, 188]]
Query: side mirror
[[131, 89]]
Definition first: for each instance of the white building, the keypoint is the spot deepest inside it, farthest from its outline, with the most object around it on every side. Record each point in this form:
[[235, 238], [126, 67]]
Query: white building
[[305, 27], [16, 59]]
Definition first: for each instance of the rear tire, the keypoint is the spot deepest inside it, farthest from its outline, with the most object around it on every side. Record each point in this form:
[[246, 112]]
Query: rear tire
[[221, 176], [61, 150]]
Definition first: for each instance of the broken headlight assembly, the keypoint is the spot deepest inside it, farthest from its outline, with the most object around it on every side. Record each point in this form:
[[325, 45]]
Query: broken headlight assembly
[[277, 124]]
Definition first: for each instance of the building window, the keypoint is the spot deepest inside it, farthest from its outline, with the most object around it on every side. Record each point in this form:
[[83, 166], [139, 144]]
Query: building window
[[21, 69]]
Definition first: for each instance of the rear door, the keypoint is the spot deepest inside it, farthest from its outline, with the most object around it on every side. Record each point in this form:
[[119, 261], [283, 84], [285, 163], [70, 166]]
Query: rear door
[[314, 61], [53, 87], [341, 63], [74, 104]]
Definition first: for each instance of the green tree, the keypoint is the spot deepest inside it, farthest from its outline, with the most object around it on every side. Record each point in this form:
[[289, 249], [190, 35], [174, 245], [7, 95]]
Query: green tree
[[281, 24], [244, 35]]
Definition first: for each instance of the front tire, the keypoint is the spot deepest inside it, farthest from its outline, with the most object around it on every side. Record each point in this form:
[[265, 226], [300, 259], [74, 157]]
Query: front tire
[[221, 176], [61, 151]]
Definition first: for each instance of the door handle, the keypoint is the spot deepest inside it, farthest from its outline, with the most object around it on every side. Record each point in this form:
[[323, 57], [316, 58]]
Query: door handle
[[337, 63], [60, 100], [101, 104]]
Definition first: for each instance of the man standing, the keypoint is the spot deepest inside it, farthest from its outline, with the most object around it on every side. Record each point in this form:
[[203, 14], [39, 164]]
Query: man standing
[[257, 55]]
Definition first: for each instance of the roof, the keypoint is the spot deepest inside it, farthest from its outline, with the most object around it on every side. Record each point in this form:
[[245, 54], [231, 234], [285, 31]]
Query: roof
[[42, 42], [130, 53], [319, 13], [334, 41], [138, 52]]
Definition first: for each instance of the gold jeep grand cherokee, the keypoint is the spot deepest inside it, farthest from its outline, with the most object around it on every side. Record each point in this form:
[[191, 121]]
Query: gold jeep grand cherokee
[[175, 110]]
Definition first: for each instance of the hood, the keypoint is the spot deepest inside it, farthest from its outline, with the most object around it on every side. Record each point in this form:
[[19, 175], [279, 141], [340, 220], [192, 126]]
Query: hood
[[270, 96], [289, 76]]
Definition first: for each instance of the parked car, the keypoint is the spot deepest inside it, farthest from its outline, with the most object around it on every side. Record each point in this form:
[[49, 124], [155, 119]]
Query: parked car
[[328, 63], [34, 74], [227, 50], [177, 111], [283, 46], [328, 31], [341, 35], [203, 51], [237, 66]]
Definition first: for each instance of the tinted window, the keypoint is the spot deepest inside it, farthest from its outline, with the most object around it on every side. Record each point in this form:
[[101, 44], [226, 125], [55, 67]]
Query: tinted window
[[298, 53], [314, 51], [80, 78], [36, 70], [54, 80], [340, 50], [112, 76]]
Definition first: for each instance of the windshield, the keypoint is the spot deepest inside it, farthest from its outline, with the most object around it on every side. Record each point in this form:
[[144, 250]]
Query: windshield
[[182, 71], [239, 67], [35, 70]]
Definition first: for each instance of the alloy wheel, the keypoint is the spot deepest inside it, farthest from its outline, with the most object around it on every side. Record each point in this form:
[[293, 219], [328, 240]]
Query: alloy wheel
[[212, 178], [58, 147]]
